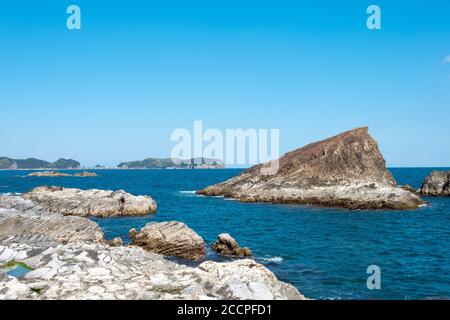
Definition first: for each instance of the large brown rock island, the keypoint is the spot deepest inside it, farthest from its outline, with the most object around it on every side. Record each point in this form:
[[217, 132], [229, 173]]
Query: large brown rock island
[[345, 171]]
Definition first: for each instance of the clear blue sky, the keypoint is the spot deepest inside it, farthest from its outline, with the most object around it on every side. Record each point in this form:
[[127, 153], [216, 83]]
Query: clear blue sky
[[137, 70]]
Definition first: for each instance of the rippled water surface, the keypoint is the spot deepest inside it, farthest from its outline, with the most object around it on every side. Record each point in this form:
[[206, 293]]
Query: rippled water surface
[[324, 252]]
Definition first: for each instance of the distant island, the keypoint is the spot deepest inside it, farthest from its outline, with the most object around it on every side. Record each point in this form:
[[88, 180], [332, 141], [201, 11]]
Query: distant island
[[168, 163], [149, 163], [32, 163]]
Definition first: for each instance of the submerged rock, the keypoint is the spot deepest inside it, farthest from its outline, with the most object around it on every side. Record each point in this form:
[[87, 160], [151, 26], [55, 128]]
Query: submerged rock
[[99, 203], [437, 183], [227, 245], [170, 239], [346, 171]]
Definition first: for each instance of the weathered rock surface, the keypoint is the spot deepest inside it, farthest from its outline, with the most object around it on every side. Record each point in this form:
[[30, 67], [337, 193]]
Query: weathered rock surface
[[437, 183], [170, 239], [116, 242], [95, 271], [48, 174], [100, 203], [85, 174], [347, 171], [25, 222], [227, 245], [61, 174], [407, 187], [70, 260]]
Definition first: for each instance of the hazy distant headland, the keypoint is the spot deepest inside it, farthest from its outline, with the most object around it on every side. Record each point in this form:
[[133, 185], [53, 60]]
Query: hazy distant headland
[[168, 163], [149, 163], [32, 163]]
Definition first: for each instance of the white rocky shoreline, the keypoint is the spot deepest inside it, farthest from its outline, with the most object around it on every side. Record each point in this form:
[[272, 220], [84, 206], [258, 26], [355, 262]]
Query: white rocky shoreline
[[68, 258]]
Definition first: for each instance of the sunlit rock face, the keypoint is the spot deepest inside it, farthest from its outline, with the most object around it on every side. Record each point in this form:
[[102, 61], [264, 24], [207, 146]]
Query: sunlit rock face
[[172, 238], [347, 170], [437, 183], [94, 202], [66, 257]]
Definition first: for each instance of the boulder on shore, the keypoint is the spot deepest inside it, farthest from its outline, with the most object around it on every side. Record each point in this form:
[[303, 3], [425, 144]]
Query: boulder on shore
[[170, 239], [99, 203], [437, 183], [227, 245], [346, 171], [116, 242]]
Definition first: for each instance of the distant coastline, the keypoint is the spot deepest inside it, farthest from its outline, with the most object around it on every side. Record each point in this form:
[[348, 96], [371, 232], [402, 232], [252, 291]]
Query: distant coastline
[[149, 163]]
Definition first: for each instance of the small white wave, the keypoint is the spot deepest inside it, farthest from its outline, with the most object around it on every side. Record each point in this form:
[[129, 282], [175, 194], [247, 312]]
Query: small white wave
[[188, 192], [11, 194], [273, 259]]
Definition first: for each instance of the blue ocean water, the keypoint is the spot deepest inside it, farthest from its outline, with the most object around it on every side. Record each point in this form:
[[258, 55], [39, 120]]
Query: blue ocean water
[[323, 252]]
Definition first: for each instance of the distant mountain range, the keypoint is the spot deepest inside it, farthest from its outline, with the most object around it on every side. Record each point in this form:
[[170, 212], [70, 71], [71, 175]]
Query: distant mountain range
[[167, 163], [32, 163]]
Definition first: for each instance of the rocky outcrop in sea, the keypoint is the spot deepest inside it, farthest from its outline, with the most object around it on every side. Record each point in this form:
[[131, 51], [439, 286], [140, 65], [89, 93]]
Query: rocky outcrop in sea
[[66, 257], [48, 174], [170, 239], [99, 203], [437, 183], [61, 174], [228, 246], [346, 171]]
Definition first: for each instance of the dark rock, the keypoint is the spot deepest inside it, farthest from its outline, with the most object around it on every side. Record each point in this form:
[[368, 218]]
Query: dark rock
[[407, 187], [227, 245], [116, 242]]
